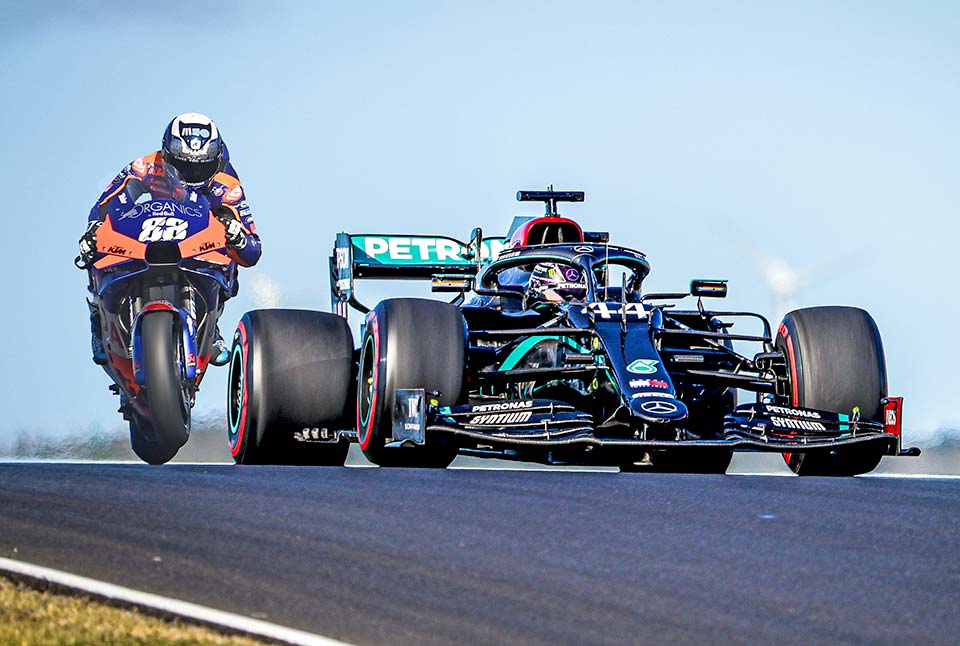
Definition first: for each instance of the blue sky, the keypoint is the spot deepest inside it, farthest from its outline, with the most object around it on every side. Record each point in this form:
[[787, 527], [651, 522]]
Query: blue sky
[[812, 145]]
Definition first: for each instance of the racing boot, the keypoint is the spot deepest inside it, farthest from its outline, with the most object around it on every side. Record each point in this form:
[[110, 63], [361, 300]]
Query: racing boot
[[96, 340], [221, 353]]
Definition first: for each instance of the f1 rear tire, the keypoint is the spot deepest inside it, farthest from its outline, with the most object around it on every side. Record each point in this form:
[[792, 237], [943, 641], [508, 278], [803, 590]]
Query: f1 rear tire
[[290, 370], [835, 362], [408, 343]]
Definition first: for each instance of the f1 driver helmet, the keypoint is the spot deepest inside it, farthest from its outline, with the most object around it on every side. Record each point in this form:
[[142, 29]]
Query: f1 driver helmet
[[192, 145], [554, 283]]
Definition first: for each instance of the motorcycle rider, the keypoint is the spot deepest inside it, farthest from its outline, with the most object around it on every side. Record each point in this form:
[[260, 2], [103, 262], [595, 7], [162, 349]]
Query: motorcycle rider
[[193, 146]]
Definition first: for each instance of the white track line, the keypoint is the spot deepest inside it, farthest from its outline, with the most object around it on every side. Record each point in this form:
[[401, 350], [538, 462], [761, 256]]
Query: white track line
[[173, 606], [911, 476]]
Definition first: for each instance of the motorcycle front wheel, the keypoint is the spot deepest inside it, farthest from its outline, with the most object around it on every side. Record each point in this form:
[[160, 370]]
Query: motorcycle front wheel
[[157, 437]]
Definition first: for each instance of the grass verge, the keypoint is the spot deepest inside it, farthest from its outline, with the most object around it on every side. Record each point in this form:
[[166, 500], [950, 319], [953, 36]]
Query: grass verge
[[30, 617]]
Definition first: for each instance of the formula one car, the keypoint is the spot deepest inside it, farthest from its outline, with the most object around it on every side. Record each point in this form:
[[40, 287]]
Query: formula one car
[[558, 356]]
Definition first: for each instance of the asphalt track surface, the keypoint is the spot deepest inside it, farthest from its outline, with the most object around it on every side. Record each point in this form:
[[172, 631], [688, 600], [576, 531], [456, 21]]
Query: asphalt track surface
[[380, 556]]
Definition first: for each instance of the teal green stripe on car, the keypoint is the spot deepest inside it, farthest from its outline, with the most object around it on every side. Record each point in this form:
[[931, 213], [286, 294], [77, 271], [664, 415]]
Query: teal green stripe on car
[[524, 347]]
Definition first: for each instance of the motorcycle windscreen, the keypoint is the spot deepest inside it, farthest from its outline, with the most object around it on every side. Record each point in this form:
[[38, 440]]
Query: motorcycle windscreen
[[157, 208]]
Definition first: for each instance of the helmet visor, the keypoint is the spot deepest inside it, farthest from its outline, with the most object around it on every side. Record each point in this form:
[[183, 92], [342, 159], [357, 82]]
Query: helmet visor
[[195, 172]]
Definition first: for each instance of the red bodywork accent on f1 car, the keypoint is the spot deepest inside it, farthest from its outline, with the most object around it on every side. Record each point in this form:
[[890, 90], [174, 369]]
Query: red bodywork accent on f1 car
[[893, 417], [549, 229]]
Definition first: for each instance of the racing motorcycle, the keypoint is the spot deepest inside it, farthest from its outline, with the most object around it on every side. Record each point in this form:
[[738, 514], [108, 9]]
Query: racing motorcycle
[[161, 276]]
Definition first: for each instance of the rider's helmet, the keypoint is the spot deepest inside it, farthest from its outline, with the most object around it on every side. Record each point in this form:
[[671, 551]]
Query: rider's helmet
[[192, 145], [554, 283]]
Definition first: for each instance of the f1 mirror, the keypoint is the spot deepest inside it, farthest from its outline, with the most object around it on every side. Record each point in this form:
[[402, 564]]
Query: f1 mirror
[[714, 288], [451, 283]]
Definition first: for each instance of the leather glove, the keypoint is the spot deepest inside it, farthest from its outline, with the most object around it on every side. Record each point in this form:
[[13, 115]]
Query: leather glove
[[88, 245], [233, 230]]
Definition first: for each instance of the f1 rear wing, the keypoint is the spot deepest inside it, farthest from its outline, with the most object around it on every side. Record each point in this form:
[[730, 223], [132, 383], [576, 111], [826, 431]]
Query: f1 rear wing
[[402, 256]]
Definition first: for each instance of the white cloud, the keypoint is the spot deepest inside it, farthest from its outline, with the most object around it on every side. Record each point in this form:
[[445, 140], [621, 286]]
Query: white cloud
[[265, 292]]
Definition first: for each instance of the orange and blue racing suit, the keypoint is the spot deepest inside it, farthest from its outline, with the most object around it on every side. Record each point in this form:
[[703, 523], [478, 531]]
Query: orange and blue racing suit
[[224, 193]]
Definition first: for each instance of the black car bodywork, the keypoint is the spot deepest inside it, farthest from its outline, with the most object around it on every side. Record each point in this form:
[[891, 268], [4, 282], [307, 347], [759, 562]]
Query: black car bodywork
[[609, 379]]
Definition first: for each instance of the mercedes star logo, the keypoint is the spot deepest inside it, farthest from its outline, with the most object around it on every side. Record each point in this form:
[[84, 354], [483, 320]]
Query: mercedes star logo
[[658, 407]]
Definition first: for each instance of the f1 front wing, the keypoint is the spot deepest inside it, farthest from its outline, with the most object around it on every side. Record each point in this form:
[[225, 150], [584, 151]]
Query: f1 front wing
[[547, 423]]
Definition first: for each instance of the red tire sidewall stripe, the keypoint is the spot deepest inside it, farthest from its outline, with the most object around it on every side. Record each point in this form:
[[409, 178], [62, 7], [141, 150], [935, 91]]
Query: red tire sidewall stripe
[[794, 389], [794, 386], [242, 426], [367, 431]]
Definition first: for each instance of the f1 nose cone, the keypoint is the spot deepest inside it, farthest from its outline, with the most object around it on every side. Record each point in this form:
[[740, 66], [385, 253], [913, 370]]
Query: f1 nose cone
[[658, 410]]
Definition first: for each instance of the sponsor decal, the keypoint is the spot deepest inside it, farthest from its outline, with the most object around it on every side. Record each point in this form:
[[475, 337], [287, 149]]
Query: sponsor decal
[[413, 406], [583, 249], [312, 434], [421, 250], [343, 258], [659, 408], [643, 367], [486, 408], [235, 194], [158, 209], [796, 424], [891, 415], [139, 167], [516, 417], [207, 246], [117, 250], [799, 412], [650, 394], [156, 229], [649, 383], [194, 131], [688, 358], [570, 274], [218, 191], [410, 426]]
